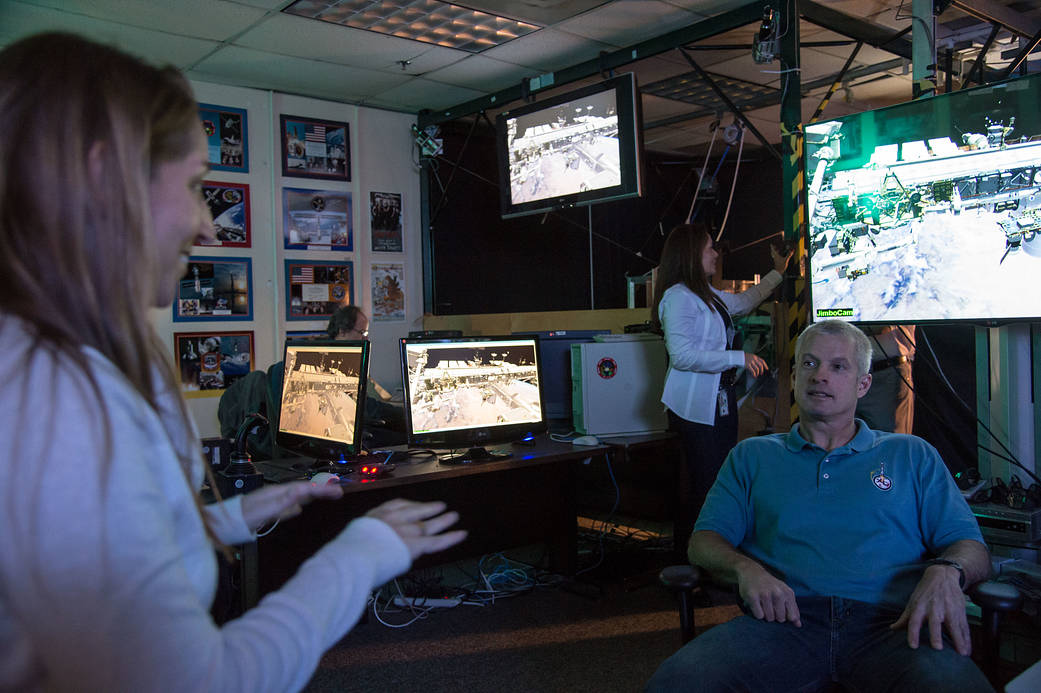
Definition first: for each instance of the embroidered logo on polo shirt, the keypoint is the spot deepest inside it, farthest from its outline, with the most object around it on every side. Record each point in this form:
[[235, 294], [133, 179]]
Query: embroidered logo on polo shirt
[[880, 480]]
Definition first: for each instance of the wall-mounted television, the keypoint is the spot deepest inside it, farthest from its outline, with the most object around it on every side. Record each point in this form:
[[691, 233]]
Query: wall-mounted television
[[323, 397], [928, 211], [578, 148], [471, 391]]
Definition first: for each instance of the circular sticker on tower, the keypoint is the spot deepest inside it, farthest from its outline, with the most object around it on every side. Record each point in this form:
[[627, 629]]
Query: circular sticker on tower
[[606, 368]]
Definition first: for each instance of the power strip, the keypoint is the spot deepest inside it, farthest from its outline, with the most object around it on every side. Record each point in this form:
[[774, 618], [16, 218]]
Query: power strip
[[427, 602]]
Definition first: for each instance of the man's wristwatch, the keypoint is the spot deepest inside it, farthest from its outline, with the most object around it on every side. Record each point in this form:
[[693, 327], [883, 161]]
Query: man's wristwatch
[[953, 564]]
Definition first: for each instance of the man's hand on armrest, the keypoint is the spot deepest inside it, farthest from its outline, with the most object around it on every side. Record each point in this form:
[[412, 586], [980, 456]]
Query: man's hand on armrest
[[768, 598], [938, 598]]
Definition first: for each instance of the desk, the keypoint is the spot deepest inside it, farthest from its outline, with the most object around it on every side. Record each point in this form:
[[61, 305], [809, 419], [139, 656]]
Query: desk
[[525, 499], [650, 479]]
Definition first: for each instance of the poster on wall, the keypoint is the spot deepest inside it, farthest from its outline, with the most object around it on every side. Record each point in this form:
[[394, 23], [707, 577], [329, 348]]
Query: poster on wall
[[316, 220], [314, 148], [385, 221], [215, 288], [229, 207], [210, 362], [314, 290], [388, 292], [226, 137]]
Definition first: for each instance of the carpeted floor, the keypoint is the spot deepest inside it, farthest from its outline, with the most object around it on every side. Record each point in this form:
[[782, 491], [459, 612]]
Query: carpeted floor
[[547, 640]]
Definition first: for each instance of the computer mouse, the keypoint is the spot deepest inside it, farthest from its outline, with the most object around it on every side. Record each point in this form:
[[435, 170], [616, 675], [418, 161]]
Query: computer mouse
[[585, 440], [322, 478]]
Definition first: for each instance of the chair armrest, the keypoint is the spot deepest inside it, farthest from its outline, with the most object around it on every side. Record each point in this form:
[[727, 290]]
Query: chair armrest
[[994, 599], [999, 596], [680, 578]]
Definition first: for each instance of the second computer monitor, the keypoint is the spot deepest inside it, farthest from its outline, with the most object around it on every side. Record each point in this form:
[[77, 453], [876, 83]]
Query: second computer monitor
[[469, 391]]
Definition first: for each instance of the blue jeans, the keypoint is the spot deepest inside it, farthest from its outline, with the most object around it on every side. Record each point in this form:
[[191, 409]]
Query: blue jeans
[[841, 640]]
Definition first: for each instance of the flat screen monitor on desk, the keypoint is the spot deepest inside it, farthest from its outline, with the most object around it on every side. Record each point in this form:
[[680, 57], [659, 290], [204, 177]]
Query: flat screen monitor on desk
[[466, 392], [555, 358], [323, 397]]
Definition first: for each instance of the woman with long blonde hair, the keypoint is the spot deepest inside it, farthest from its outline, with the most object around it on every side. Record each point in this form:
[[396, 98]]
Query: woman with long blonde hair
[[109, 567]]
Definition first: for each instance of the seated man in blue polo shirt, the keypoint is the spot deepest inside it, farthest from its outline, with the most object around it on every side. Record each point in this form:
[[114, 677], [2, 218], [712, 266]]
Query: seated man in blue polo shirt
[[850, 549]]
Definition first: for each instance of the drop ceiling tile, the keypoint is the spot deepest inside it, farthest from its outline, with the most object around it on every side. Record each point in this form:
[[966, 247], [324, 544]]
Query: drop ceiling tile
[[746, 69], [673, 138], [657, 108], [265, 4], [625, 22], [252, 68], [205, 19], [654, 69], [481, 73], [309, 38], [21, 19], [815, 63], [708, 8], [418, 94], [547, 50], [541, 12]]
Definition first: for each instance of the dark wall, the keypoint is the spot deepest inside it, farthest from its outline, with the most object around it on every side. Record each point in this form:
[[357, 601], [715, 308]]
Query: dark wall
[[939, 417], [485, 264]]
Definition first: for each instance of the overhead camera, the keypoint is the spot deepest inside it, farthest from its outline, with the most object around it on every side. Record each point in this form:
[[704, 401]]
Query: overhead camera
[[427, 140], [764, 46]]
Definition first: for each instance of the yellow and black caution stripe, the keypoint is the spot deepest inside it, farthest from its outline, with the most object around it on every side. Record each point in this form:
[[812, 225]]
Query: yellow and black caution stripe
[[798, 299]]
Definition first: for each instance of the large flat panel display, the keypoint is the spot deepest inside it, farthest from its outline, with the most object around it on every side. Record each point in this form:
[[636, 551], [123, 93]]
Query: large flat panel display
[[577, 148], [928, 211]]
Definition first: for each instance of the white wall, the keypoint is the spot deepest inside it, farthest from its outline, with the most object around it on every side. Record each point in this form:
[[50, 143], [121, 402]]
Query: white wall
[[382, 155]]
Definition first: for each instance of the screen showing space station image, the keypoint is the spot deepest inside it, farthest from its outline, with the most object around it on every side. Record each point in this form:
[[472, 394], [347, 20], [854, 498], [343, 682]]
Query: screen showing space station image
[[929, 210], [566, 149], [462, 385], [320, 392]]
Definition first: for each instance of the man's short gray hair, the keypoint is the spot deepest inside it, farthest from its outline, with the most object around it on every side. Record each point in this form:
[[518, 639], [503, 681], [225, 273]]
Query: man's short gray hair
[[840, 328]]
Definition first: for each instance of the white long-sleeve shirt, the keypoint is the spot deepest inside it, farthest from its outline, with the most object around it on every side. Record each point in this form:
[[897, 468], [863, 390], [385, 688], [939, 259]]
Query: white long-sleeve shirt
[[106, 574], [696, 339]]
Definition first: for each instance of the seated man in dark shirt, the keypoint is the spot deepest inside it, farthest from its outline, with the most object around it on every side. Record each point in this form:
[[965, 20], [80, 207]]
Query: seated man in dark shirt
[[850, 549]]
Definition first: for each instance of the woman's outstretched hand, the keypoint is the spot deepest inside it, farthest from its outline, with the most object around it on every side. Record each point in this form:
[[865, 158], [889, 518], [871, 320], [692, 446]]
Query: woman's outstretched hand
[[780, 258], [420, 525], [282, 501]]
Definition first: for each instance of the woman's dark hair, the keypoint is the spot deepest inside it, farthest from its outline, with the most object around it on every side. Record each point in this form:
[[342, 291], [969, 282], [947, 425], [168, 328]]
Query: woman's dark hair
[[681, 264], [343, 320]]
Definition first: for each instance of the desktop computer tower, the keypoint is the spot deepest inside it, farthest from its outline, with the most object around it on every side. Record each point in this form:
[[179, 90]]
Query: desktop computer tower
[[617, 386]]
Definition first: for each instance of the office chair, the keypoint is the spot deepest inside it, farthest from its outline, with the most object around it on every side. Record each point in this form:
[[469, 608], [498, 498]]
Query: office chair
[[995, 599]]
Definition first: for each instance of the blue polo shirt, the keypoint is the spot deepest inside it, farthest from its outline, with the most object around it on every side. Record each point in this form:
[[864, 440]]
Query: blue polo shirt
[[856, 522]]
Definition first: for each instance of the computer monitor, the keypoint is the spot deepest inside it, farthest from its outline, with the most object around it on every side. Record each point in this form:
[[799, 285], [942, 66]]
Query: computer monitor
[[471, 391], [555, 358], [323, 397]]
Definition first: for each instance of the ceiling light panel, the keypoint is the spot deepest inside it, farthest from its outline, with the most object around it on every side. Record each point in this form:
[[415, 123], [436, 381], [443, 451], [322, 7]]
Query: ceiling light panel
[[429, 21]]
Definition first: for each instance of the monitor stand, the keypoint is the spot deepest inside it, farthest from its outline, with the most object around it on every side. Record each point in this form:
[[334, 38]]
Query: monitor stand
[[474, 455]]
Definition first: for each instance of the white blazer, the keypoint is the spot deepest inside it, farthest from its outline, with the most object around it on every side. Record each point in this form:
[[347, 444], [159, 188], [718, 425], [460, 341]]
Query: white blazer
[[696, 339]]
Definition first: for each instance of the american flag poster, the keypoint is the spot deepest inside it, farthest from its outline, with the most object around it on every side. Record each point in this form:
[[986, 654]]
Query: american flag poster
[[314, 290], [314, 148]]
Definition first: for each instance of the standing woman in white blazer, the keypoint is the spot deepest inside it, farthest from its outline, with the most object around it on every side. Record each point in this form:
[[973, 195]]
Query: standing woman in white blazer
[[703, 363]]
